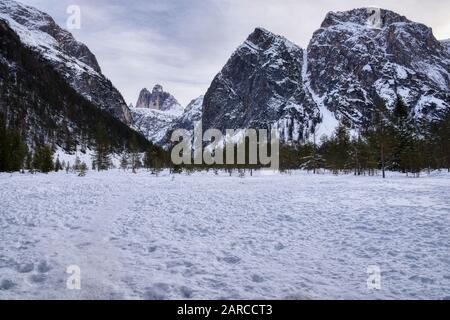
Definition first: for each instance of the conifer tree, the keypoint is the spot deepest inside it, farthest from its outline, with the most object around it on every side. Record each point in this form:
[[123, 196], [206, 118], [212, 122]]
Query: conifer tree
[[135, 157], [102, 157]]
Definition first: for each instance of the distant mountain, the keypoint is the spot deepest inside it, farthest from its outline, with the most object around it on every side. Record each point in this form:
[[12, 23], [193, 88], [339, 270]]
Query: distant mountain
[[71, 59], [156, 125], [155, 113], [153, 124], [158, 99]]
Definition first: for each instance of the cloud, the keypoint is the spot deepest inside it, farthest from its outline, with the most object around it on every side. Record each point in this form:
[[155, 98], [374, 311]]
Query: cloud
[[183, 44]]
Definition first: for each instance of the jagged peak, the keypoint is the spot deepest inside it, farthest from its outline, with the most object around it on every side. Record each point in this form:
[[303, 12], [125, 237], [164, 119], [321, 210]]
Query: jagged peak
[[158, 88], [360, 17], [262, 39]]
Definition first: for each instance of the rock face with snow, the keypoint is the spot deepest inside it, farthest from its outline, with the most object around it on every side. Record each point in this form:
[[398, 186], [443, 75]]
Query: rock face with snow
[[70, 58], [156, 125], [346, 69], [446, 43], [192, 113], [261, 86], [351, 64], [153, 124], [158, 99]]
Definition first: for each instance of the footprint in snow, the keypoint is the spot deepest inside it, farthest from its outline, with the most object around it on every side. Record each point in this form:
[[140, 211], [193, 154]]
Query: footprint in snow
[[257, 278], [230, 259], [37, 278], [6, 284], [186, 292], [25, 268], [43, 267]]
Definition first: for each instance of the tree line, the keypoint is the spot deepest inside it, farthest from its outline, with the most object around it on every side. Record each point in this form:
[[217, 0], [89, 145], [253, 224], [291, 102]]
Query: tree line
[[394, 140], [16, 156]]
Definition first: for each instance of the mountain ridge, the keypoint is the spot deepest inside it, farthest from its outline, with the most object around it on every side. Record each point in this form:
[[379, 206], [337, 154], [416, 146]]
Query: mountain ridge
[[72, 59]]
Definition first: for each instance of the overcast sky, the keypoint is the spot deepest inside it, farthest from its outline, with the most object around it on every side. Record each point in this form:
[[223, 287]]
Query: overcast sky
[[183, 44]]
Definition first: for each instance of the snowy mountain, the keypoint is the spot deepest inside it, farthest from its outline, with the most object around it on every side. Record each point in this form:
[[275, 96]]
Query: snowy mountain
[[70, 58], [156, 124], [155, 113], [347, 67], [40, 94], [262, 85], [351, 64], [192, 113], [153, 124]]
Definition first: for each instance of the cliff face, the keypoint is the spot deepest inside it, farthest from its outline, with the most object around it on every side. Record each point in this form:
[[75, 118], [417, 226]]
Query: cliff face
[[158, 99], [260, 86], [351, 64], [346, 69]]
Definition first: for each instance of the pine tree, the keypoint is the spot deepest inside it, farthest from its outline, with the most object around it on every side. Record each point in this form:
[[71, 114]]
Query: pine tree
[[58, 165], [43, 159], [82, 169], [379, 134], [13, 150], [135, 157], [47, 160], [102, 158], [405, 156]]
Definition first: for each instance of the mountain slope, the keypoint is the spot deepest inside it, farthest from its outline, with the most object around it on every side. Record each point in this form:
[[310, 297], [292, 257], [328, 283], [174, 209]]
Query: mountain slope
[[38, 101], [446, 43], [260, 86], [71, 59]]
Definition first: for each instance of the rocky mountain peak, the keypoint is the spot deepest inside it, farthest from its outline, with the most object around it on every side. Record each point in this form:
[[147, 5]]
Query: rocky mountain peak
[[157, 89], [158, 99], [263, 40], [351, 65], [360, 17]]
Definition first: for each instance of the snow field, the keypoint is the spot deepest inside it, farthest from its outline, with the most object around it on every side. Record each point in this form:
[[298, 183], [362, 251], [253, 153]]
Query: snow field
[[204, 236]]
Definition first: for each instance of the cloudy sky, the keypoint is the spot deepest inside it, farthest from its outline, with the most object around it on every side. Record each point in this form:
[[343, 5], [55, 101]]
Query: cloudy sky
[[182, 44]]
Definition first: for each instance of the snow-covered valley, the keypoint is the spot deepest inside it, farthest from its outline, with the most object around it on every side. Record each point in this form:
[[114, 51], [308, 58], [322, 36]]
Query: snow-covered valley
[[204, 236]]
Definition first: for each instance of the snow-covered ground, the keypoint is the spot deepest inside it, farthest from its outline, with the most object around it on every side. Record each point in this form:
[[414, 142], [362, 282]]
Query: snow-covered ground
[[205, 236]]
